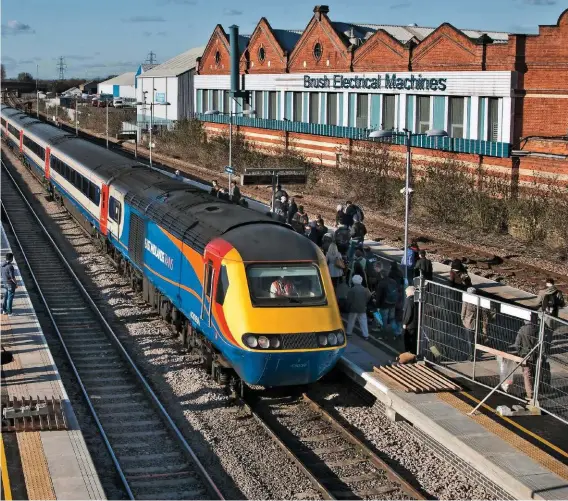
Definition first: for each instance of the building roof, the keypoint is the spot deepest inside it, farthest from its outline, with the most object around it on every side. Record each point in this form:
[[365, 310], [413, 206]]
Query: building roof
[[403, 33], [148, 67], [176, 65], [124, 79], [287, 38]]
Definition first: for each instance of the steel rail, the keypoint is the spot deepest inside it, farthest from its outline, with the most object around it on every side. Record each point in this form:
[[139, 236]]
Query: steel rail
[[209, 483]]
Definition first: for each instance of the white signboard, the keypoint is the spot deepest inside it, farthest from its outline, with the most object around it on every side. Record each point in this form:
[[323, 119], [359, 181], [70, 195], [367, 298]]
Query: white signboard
[[476, 300], [515, 311]]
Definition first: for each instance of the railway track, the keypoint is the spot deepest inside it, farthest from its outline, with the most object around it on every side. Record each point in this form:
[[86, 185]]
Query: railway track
[[152, 458], [338, 465]]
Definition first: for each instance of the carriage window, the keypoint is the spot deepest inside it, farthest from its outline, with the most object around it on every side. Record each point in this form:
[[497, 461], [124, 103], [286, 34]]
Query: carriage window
[[222, 286], [289, 284], [208, 278], [114, 208], [94, 194]]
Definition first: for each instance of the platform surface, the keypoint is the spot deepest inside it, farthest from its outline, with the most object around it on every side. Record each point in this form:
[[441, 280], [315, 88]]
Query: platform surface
[[518, 467], [55, 464]]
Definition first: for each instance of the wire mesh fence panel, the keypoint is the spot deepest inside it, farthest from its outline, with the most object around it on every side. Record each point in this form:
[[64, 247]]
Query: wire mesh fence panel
[[505, 332], [444, 338], [552, 392]]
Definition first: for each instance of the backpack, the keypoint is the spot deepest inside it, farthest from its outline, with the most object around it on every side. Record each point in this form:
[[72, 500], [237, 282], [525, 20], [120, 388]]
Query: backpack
[[410, 258], [359, 213], [391, 297]]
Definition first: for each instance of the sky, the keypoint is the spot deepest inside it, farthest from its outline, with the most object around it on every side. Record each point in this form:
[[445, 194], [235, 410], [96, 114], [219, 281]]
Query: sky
[[114, 36]]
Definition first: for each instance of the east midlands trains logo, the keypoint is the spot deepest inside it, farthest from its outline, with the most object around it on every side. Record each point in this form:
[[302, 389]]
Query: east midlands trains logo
[[380, 82], [159, 254]]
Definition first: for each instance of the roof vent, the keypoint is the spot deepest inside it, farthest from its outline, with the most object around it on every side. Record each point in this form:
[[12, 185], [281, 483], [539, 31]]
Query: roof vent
[[413, 24], [212, 208], [353, 39]]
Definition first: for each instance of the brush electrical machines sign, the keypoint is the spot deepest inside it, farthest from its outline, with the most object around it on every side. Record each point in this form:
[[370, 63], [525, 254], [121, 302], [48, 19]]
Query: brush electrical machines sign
[[387, 81]]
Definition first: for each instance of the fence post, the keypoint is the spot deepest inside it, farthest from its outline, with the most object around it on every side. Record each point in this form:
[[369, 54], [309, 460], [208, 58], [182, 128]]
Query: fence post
[[420, 301], [475, 333], [538, 371]]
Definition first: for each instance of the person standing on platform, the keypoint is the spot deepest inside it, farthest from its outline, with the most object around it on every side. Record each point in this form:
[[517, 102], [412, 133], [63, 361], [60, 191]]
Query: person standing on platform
[[357, 300], [235, 193], [339, 216], [410, 321], [292, 209], [527, 337], [424, 266], [9, 284], [468, 316], [335, 264]]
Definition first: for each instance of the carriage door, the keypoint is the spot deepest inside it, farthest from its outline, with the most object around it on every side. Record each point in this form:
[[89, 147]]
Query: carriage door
[[208, 288], [104, 209], [21, 141], [47, 153]]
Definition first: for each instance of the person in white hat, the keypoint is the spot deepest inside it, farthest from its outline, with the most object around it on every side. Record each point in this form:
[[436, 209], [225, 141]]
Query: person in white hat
[[358, 299]]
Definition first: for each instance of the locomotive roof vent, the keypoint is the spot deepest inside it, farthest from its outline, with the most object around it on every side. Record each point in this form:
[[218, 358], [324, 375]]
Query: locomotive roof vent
[[212, 208]]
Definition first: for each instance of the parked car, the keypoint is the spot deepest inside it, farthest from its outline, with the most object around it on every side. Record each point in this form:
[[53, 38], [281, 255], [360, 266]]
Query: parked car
[[118, 103]]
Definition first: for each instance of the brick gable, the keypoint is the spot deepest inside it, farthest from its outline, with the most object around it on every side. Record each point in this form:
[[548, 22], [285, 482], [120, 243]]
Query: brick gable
[[381, 52], [336, 56], [447, 48], [275, 57], [219, 42]]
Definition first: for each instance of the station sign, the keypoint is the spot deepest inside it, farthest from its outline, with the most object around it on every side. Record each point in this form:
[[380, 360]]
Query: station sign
[[229, 170], [160, 97], [270, 176]]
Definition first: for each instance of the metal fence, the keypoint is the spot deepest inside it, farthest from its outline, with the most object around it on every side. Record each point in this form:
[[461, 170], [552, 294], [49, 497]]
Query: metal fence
[[479, 339]]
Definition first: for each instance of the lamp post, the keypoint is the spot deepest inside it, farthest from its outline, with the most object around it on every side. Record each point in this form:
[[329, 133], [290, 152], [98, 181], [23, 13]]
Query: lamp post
[[152, 104], [76, 117], [106, 106], [231, 114], [387, 134]]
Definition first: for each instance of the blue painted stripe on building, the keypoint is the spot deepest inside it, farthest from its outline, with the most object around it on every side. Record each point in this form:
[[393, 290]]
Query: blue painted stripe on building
[[352, 102], [340, 112], [439, 111], [323, 107], [410, 100], [116, 90], [481, 118], [288, 105], [375, 111]]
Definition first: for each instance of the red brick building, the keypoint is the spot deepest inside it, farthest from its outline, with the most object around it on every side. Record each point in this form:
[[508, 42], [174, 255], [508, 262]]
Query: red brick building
[[502, 98]]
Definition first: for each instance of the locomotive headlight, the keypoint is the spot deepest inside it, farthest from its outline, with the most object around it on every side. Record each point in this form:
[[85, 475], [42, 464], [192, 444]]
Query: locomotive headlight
[[274, 342], [322, 340], [251, 341], [340, 338], [332, 338], [263, 342]]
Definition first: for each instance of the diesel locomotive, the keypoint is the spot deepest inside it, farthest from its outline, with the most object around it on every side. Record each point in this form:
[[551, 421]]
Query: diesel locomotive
[[250, 294]]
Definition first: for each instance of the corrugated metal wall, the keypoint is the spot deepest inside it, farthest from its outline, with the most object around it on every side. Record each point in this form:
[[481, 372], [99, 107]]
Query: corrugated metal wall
[[185, 94]]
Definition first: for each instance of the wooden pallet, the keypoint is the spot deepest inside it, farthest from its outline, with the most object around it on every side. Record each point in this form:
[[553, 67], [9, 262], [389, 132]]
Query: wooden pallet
[[416, 378]]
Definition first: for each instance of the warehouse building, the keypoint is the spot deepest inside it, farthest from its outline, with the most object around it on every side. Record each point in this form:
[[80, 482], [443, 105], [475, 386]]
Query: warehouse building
[[119, 86], [502, 98], [170, 82]]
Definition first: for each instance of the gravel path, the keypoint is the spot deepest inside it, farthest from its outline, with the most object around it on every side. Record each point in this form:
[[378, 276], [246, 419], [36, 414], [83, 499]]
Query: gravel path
[[236, 451], [410, 457]]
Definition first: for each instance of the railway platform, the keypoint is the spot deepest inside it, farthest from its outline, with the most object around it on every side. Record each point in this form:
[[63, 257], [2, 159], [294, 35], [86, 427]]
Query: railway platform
[[44, 454], [525, 455]]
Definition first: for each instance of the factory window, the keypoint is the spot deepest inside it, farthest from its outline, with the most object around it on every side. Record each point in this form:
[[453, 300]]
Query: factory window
[[362, 116], [314, 107], [35, 148], [217, 57], [455, 119], [114, 208], [297, 106], [272, 105], [331, 112], [389, 106], [258, 104], [15, 132], [422, 114], [226, 102], [261, 54], [317, 51], [215, 100], [493, 119]]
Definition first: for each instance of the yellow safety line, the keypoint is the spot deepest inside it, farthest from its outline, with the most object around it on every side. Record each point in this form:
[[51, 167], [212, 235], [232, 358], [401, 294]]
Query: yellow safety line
[[517, 425], [5, 476]]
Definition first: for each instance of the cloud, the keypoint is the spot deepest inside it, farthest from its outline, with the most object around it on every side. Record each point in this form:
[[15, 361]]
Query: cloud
[[402, 5], [16, 28], [144, 19], [147, 33], [74, 57], [541, 2], [232, 12], [162, 34], [176, 2]]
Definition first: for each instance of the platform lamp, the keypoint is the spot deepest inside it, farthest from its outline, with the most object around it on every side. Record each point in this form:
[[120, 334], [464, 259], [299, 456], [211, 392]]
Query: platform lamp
[[389, 134], [231, 114], [142, 103]]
